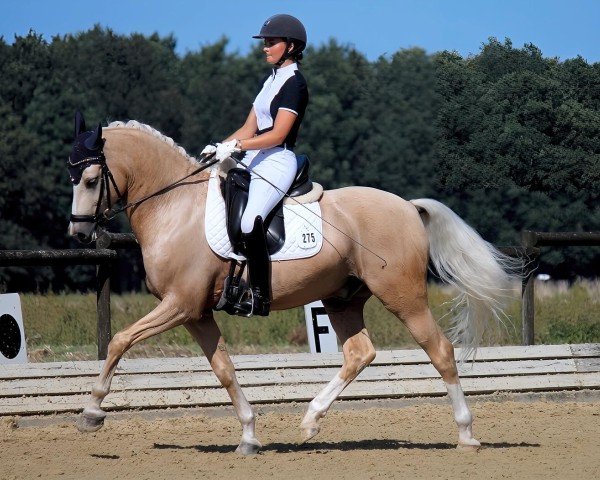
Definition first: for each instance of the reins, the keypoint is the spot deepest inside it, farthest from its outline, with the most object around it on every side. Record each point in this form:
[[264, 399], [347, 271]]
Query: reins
[[111, 213]]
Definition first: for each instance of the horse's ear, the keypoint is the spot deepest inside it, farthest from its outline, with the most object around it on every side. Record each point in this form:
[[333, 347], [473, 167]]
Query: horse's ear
[[79, 123], [95, 139]]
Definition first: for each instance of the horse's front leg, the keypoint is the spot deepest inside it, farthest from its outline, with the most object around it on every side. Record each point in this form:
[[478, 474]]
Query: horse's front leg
[[358, 353], [206, 332], [164, 317]]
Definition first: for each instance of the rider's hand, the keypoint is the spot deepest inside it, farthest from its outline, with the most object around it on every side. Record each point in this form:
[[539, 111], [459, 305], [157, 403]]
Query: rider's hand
[[225, 149], [208, 151]]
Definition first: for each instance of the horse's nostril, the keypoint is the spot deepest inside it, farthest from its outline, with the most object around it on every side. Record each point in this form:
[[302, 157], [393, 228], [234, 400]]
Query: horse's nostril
[[82, 237]]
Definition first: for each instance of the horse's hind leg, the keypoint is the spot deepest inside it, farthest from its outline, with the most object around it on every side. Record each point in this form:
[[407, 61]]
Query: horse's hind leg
[[428, 334], [206, 332], [411, 307], [164, 317], [358, 353]]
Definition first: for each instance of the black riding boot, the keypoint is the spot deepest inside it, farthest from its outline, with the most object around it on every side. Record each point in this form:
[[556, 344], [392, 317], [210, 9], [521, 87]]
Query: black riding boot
[[257, 300]]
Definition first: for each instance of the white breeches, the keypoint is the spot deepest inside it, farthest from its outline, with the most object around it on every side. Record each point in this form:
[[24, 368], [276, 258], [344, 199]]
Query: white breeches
[[278, 166]]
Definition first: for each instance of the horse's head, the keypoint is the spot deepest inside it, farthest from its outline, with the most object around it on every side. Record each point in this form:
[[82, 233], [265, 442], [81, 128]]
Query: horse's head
[[87, 169]]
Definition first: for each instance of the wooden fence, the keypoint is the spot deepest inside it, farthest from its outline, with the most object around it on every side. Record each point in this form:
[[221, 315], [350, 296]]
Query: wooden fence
[[101, 257], [104, 255], [531, 243]]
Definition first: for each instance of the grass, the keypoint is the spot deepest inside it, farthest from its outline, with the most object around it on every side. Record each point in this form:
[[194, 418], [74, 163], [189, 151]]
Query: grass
[[63, 326]]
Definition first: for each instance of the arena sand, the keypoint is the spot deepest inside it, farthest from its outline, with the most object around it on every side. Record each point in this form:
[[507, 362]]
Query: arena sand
[[526, 440]]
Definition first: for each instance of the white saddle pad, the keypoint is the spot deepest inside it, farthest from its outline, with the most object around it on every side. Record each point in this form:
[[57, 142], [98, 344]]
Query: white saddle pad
[[303, 227]]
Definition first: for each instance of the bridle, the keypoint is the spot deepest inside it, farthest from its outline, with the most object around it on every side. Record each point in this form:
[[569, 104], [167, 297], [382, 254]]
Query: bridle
[[105, 177], [100, 218]]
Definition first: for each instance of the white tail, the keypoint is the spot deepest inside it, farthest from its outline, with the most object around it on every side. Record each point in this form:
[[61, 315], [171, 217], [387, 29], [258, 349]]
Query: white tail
[[482, 274]]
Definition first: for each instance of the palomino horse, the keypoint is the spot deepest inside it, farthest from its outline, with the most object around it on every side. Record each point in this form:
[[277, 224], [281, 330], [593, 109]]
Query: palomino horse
[[374, 236]]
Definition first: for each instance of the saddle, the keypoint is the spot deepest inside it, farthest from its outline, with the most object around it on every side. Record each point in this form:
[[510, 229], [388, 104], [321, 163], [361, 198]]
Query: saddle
[[234, 189]]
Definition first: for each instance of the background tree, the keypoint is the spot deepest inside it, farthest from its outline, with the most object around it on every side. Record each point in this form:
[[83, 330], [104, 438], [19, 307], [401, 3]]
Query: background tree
[[517, 147], [397, 115]]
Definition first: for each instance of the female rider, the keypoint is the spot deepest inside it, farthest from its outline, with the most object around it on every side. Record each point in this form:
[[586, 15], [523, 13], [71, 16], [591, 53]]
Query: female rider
[[268, 136]]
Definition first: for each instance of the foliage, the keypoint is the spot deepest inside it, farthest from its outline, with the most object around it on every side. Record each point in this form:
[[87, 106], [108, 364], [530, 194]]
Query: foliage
[[568, 332], [568, 325], [516, 134], [73, 321], [508, 138]]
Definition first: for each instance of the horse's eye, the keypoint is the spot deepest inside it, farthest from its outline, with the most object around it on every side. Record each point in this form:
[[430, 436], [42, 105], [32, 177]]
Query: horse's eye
[[91, 182]]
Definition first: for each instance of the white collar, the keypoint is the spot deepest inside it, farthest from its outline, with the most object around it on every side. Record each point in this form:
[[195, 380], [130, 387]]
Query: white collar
[[286, 70]]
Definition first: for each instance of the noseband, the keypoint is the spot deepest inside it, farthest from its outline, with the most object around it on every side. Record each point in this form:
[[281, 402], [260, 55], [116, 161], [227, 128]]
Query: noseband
[[106, 176]]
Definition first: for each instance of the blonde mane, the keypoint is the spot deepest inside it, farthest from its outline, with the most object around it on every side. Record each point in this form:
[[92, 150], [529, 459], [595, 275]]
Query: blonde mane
[[155, 133]]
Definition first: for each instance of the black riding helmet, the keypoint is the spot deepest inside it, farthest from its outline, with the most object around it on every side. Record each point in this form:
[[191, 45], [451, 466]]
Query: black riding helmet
[[287, 27]]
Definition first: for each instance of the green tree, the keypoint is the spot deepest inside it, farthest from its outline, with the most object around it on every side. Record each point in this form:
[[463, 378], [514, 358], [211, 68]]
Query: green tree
[[398, 112], [515, 140], [219, 89], [337, 77]]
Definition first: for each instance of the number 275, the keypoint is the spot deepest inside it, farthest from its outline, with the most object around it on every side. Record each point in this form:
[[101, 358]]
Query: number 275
[[308, 238]]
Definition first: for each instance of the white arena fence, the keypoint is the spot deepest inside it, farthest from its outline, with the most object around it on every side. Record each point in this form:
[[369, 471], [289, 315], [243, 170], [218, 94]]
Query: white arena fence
[[159, 383]]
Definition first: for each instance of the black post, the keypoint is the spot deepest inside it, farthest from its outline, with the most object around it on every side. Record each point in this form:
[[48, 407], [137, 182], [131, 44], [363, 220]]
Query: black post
[[103, 299], [528, 312], [103, 308]]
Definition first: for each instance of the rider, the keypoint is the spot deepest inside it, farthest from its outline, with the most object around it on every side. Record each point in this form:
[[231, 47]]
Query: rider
[[268, 137]]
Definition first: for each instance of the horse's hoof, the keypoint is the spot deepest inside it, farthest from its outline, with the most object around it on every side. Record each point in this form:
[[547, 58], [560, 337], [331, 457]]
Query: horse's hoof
[[248, 448], [309, 432], [471, 446], [90, 421]]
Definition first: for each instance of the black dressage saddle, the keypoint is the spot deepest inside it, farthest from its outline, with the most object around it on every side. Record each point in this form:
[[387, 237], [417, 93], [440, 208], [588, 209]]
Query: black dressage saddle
[[235, 192]]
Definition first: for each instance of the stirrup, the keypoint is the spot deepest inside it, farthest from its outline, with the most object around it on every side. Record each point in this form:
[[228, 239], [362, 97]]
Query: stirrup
[[233, 289], [253, 303], [239, 299], [246, 304], [232, 293]]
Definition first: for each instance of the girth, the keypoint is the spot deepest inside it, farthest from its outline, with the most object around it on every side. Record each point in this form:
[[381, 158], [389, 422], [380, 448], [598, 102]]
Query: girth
[[235, 192]]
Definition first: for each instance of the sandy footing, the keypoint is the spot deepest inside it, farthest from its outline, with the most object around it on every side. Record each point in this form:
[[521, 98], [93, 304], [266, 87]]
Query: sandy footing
[[539, 438]]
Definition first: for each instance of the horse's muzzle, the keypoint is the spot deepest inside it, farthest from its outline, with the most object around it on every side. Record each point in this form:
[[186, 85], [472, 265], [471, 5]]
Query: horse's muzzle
[[82, 232], [83, 238]]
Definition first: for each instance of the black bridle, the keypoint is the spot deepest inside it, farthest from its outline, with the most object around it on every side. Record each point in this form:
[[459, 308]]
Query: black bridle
[[105, 177], [99, 218]]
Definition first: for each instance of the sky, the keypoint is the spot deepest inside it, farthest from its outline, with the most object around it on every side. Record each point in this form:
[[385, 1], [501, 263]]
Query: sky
[[562, 29]]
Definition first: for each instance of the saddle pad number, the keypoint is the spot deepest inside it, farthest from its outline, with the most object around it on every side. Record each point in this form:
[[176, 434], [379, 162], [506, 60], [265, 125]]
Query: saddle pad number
[[308, 237]]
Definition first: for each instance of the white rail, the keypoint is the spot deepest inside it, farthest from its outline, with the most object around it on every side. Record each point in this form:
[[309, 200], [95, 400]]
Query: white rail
[[46, 388]]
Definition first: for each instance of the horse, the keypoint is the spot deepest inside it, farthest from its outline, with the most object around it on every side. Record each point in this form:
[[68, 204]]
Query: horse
[[374, 236]]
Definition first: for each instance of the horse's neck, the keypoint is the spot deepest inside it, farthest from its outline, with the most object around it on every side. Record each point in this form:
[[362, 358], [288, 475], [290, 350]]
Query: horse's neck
[[148, 165]]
